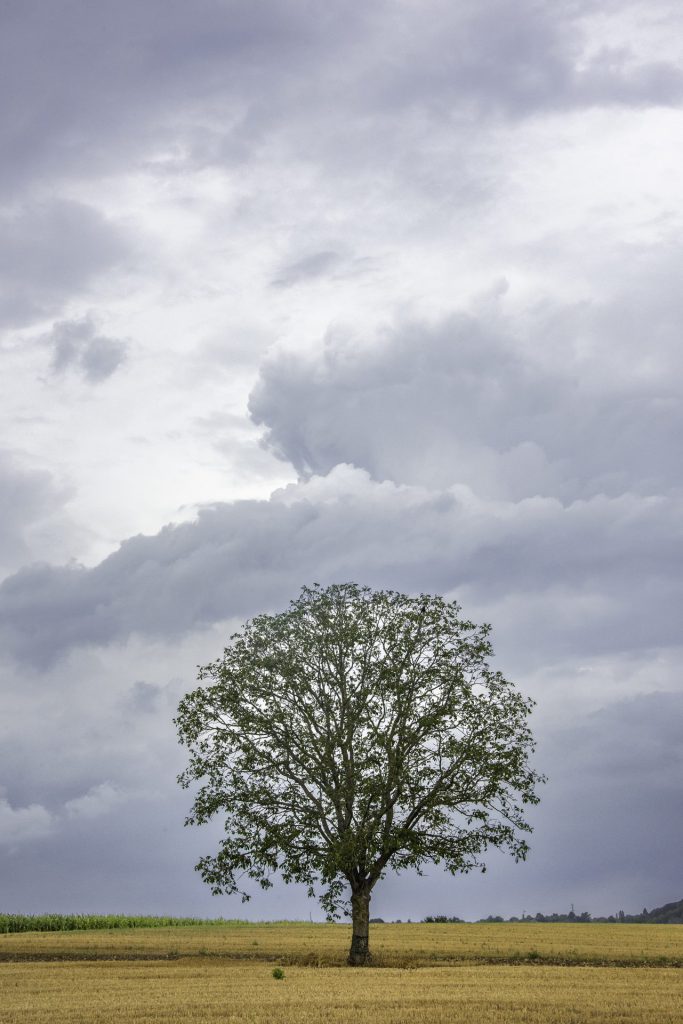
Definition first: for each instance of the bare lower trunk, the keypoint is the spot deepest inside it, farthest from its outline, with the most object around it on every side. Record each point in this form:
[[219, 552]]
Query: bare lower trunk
[[360, 911]]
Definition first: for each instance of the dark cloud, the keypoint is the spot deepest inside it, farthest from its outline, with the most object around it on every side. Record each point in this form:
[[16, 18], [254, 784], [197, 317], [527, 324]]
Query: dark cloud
[[92, 793], [77, 345], [318, 264], [238, 559], [91, 87], [607, 833], [325, 265], [569, 402], [50, 251], [133, 857], [614, 804], [144, 697]]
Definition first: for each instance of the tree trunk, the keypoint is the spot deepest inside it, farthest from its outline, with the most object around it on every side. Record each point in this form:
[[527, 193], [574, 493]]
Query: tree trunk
[[360, 910]]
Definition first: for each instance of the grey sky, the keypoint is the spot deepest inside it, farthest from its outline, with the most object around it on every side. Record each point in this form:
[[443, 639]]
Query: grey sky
[[384, 292]]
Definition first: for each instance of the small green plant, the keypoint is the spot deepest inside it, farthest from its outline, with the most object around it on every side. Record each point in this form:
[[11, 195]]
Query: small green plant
[[278, 973], [533, 955]]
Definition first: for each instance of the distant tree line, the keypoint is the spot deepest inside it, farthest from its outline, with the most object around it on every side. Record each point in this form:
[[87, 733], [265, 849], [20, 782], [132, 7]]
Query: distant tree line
[[670, 913]]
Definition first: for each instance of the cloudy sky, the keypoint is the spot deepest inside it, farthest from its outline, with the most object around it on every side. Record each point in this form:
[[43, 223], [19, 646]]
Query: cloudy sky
[[386, 292]]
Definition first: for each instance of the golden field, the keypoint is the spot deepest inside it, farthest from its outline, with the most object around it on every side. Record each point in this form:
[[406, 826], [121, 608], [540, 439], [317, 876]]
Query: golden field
[[408, 945], [204, 991], [431, 974]]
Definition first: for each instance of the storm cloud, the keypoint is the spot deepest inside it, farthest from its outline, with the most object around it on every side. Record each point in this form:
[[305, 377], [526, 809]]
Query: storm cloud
[[547, 404], [236, 559]]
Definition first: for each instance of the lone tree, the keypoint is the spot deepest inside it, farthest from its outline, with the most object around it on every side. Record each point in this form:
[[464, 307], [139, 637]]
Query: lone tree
[[357, 732]]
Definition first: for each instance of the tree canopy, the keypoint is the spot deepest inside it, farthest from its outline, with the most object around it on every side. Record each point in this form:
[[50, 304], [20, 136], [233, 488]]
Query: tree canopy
[[356, 732]]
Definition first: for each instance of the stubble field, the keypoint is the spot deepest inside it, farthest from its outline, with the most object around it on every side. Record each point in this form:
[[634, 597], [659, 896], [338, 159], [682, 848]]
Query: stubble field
[[488, 974]]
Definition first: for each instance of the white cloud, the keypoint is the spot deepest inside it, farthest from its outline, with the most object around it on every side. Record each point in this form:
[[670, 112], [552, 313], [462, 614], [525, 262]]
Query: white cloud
[[99, 800], [23, 824]]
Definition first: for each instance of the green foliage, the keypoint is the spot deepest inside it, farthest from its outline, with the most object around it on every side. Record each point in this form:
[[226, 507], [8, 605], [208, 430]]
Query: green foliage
[[89, 922], [354, 733], [278, 973]]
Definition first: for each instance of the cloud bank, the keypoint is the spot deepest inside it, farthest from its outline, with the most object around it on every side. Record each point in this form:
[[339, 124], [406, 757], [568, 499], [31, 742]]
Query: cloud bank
[[428, 256]]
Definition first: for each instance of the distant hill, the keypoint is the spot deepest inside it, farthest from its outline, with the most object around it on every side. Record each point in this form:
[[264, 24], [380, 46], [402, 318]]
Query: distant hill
[[670, 913]]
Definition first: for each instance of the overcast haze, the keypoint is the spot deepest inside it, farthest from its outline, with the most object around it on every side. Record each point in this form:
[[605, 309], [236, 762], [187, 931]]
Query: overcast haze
[[294, 292]]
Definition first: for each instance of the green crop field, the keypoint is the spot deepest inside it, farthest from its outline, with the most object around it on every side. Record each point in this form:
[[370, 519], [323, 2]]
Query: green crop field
[[90, 922], [223, 971]]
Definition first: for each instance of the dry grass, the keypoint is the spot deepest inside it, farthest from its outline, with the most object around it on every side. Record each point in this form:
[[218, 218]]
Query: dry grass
[[392, 945], [208, 991]]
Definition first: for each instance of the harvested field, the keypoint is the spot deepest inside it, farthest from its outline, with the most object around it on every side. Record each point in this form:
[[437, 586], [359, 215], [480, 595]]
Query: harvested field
[[401, 945], [200, 990]]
